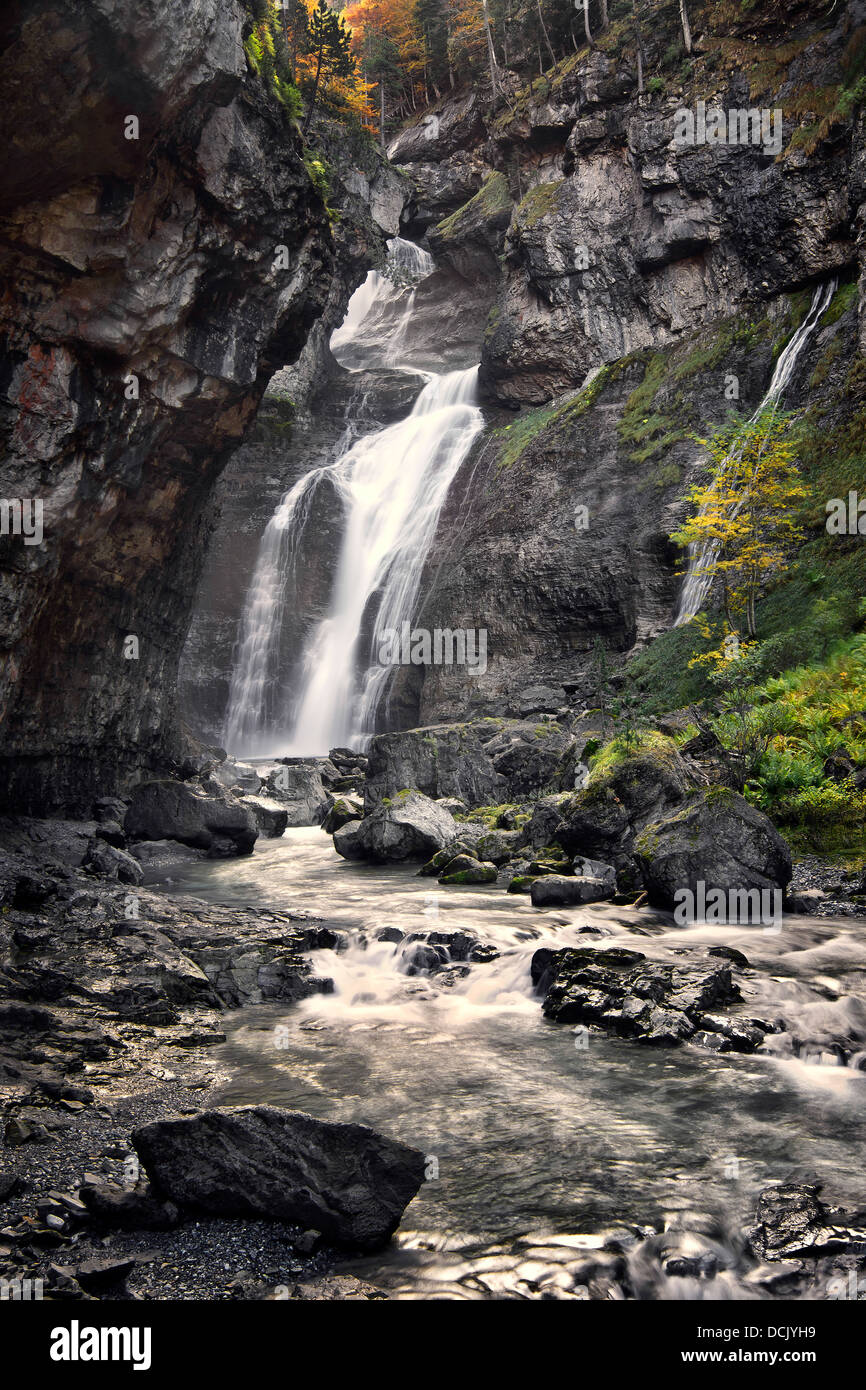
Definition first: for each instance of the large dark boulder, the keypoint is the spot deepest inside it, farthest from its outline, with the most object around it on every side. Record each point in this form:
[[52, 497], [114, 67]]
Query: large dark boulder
[[344, 1180], [165, 810], [717, 838], [410, 826], [484, 763], [594, 822], [602, 820], [556, 890]]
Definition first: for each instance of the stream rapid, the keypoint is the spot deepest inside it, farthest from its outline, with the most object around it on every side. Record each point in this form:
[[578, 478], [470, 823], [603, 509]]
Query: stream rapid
[[543, 1140]]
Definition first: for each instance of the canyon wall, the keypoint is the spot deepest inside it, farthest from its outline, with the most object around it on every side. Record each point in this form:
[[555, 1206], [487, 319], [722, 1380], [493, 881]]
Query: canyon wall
[[614, 283], [164, 251]]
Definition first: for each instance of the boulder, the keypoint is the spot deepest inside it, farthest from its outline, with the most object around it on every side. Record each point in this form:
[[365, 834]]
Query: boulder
[[555, 890], [166, 810], [793, 1223], [344, 1180], [482, 763], [409, 827], [499, 846], [234, 774], [107, 862], [623, 992], [164, 854], [341, 810], [464, 869], [595, 822], [299, 788], [602, 819], [270, 817], [348, 840], [717, 838]]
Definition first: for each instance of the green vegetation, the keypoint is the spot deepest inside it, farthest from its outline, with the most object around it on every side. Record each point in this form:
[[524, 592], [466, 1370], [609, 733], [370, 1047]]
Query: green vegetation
[[537, 203], [491, 198]]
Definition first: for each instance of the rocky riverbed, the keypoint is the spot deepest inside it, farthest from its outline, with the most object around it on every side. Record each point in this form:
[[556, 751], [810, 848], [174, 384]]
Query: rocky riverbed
[[126, 1006]]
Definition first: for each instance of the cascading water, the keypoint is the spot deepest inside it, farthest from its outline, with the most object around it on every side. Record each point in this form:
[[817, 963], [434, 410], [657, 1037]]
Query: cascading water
[[702, 554], [392, 485]]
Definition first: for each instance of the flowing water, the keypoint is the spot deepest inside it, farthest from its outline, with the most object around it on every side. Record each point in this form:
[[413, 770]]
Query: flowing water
[[541, 1143], [702, 554], [391, 486]]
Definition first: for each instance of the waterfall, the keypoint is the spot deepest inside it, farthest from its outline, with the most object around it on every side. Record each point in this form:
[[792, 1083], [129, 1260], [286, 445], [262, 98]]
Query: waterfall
[[392, 485], [395, 484], [698, 580]]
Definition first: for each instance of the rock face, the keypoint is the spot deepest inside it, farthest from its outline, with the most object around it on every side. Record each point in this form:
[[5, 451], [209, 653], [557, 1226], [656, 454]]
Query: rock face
[[409, 827], [143, 318], [717, 838], [344, 1180], [164, 810]]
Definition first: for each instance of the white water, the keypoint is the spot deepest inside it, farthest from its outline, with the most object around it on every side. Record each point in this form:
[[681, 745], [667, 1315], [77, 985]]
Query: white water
[[699, 576], [392, 485]]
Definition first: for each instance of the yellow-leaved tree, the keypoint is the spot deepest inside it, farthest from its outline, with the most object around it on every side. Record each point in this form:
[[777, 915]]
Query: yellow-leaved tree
[[745, 519]]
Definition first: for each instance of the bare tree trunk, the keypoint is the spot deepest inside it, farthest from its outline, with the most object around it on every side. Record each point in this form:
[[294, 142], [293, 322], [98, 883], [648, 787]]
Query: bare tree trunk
[[490, 52], [638, 38], [604, 18], [687, 33], [545, 33], [382, 111], [589, 37], [315, 87]]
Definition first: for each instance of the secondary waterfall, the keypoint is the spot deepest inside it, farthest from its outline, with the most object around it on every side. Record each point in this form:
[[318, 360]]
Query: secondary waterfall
[[701, 555], [392, 485]]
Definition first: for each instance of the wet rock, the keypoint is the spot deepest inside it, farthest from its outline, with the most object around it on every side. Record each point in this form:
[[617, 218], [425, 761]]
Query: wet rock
[[156, 855], [793, 1223], [556, 890], [345, 1180], [622, 991], [411, 826], [729, 953], [717, 838], [165, 810]]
